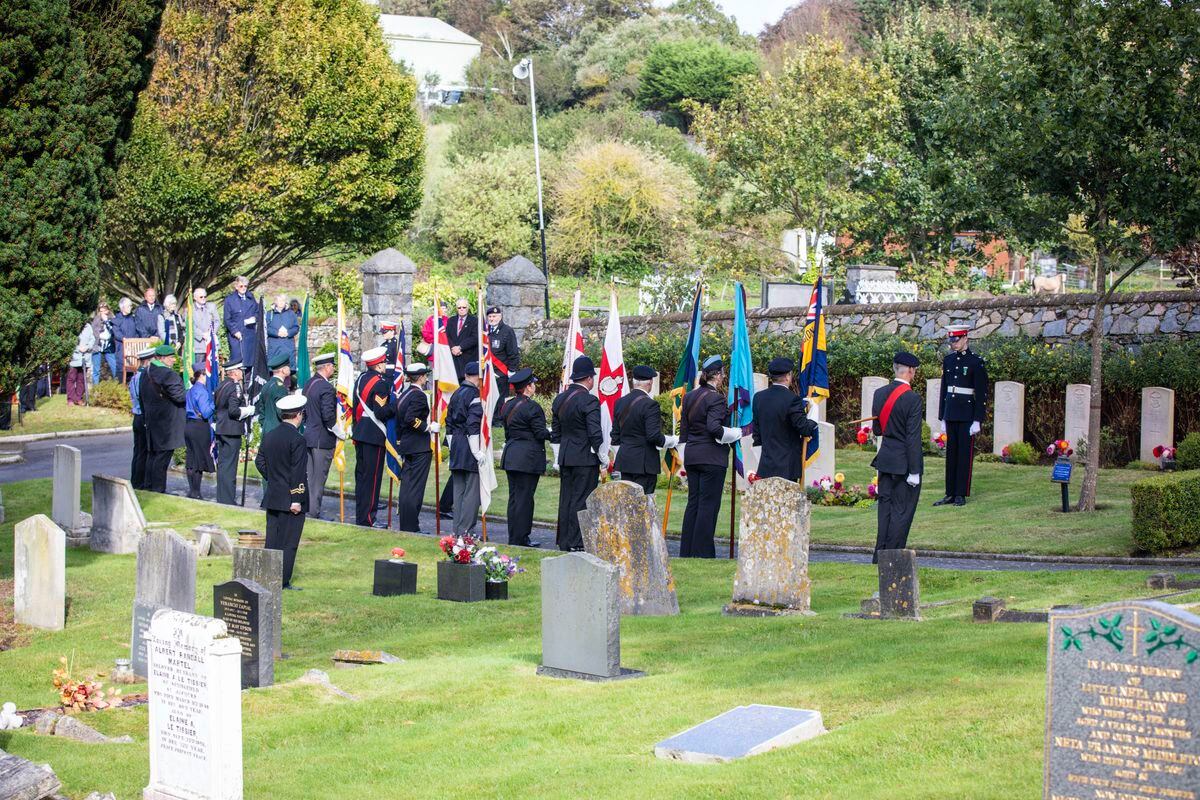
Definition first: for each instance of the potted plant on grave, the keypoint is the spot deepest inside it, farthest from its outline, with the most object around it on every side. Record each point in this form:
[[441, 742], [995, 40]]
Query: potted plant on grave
[[394, 575], [1060, 448], [499, 568], [1165, 456], [460, 577]]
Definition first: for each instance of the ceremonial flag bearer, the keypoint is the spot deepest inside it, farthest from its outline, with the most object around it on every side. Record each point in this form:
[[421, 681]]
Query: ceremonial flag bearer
[[898, 415], [962, 409], [637, 435], [705, 440], [466, 452], [372, 410], [578, 444], [283, 460], [781, 424], [320, 415], [524, 455], [414, 427]]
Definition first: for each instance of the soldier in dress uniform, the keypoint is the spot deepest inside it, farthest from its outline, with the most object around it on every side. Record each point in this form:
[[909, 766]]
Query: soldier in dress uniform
[[413, 428], [524, 456], [898, 413], [705, 439], [276, 388], [962, 408], [637, 435], [282, 460], [372, 409], [230, 413], [137, 468], [163, 409], [781, 424], [579, 449], [464, 418], [390, 343], [506, 357], [320, 415]]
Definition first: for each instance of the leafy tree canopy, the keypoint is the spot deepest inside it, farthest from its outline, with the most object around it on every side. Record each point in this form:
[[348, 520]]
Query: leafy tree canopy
[[704, 71]]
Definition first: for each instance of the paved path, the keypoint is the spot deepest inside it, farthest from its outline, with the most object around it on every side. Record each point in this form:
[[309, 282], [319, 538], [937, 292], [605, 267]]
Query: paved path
[[112, 455]]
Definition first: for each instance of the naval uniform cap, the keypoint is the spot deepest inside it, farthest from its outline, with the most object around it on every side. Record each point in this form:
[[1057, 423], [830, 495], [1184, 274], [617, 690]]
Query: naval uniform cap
[[416, 368], [958, 329], [374, 356], [231, 364], [521, 377], [712, 364], [781, 366], [146, 352], [325, 358], [278, 360], [291, 402]]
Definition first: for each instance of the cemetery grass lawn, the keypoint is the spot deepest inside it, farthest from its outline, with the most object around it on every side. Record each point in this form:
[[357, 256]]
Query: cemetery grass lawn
[[53, 415], [941, 708]]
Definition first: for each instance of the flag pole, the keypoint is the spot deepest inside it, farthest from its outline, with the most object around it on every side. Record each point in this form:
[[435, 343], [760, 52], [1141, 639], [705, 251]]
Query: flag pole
[[390, 490], [732, 508], [342, 495], [435, 442]]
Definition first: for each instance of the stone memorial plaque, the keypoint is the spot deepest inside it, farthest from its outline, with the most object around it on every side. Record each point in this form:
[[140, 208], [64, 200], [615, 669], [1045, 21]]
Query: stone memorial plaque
[[39, 573], [264, 567], [741, 732], [242, 605], [1008, 416], [195, 709], [64, 503], [899, 592], [1079, 401], [825, 464], [772, 567], [1158, 421], [117, 519], [869, 384], [621, 525], [143, 613], [1122, 689], [933, 398]]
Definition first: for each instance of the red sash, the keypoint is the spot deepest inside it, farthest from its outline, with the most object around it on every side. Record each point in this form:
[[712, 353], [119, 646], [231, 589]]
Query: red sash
[[886, 413], [363, 393]]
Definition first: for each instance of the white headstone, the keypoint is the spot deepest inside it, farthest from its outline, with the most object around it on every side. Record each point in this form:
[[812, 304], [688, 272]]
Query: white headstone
[[1158, 420], [761, 381], [933, 398], [1008, 415], [40, 573], [1079, 401], [64, 504], [869, 384], [195, 688], [825, 464], [117, 519]]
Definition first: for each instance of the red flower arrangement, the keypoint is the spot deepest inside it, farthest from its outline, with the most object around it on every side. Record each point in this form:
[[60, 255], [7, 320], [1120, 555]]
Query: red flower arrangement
[[939, 441], [397, 553], [75, 695], [459, 549], [751, 477], [1059, 448], [864, 434], [1162, 451]]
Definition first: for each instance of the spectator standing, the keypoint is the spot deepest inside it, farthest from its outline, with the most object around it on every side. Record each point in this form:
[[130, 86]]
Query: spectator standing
[[240, 315], [80, 356], [282, 326], [506, 356], [462, 333], [124, 326], [146, 315], [104, 348], [426, 349], [170, 324], [203, 323]]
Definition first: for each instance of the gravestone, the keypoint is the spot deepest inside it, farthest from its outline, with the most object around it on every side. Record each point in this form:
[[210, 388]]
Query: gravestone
[[1121, 716], [1008, 415], [761, 381], [1078, 412], [933, 398], [264, 567], [899, 592], [621, 526], [581, 619], [1158, 420], [825, 464], [220, 544], [117, 519], [741, 732], [64, 503], [166, 579], [772, 568], [244, 608], [39, 573], [195, 709], [1, 506], [143, 615], [867, 397], [386, 293]]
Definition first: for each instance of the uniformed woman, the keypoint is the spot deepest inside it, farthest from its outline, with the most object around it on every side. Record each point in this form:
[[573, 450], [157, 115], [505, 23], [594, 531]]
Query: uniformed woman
[[524, 456], [197, 431]]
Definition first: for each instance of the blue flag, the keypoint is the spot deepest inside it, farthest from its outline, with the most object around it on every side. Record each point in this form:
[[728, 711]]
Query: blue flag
[[392, 457], [741, 382], [689, 362], [814, 369]]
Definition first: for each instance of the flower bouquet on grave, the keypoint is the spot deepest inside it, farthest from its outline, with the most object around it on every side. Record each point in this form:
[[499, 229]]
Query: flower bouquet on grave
[[864, 435], [834, 492], [939, 441], [397, 555], [75, 695], [1165, 456], [499, 568], [1060, 448], [459, 549]]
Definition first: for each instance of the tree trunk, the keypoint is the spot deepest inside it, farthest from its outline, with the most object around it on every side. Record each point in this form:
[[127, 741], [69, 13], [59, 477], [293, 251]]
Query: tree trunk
[[1091, 473]]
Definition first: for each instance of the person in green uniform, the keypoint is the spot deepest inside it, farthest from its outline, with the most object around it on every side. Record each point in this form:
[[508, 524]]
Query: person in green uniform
[[276, 389]]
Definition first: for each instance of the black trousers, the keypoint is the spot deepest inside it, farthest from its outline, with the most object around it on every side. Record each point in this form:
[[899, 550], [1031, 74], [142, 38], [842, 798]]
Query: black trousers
[[895, 505], [446, 503], [137, 468], [157, 462], [414, 473], [368, 475], [501, 395], [645, 480], [960, 451], [228, 452], [576, 485], [705, 485], [521, 489], [283, 533]]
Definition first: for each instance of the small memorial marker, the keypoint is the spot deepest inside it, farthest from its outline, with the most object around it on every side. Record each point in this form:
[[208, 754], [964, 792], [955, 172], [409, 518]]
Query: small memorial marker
[[357, 658], [899, 592], [244, 608], [741, 732], [393, 577]]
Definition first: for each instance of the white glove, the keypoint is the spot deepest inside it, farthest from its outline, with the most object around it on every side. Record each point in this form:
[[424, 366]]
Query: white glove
[[448, 439], [482, 457], [554, 450], [434, 427], [671, 442], [245, 412], [814, 410], [730, 436], [974, 428], [941, 426], [603, 455], [913, 480], [679, 448], [473, 443]]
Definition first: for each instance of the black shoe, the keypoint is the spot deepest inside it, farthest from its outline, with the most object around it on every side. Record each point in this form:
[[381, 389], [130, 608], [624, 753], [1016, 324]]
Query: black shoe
[[381, 525], [945, 501], [292, 588], [447, 515], [960, 501]]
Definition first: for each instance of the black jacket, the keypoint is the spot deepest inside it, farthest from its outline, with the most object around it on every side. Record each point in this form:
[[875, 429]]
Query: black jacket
[[463, 417], [576, 428], [780, 426], [503, 341], [705, 416], [320, 413], [378, 400], [963, 370], [164, 407], [468, 340], [900, 448], [282, 460], [412, 421], [525, 436], [637, 429], [227, 401]]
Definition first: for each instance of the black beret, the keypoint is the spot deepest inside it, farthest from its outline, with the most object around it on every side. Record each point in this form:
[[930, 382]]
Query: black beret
[[472, 368], [494, 310], [906, 360], [643, 373], [781, 366]]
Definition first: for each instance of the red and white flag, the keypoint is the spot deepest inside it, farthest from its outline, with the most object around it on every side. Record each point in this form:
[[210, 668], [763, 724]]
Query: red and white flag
[[574, 346], [489, 394], [445, 377], [611, 384]]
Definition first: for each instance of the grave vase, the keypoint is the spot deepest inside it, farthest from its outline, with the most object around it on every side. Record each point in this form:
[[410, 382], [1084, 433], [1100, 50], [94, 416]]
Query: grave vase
[[496, 590], [462, 583]]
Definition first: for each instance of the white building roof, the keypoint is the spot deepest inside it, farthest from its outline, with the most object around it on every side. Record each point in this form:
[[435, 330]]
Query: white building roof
[[429, 28]]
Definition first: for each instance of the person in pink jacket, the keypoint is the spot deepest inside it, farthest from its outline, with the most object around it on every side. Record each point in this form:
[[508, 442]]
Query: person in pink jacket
[[427, 337]]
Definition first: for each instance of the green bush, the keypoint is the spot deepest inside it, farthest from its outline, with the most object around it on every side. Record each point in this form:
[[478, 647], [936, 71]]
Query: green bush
[[338, 280], [1022, 453], [111, 394], [1148, 466], [1187, 454], [1166, 512], [487, 208], [987, 458], [703, 70]]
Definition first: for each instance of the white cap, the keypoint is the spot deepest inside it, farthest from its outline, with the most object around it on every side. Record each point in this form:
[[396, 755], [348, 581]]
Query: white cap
[[958, 329], [291, 402], [374, 356]]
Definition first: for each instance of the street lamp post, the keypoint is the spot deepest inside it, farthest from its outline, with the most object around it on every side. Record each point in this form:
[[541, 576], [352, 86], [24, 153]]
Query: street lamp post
[[523, 70]]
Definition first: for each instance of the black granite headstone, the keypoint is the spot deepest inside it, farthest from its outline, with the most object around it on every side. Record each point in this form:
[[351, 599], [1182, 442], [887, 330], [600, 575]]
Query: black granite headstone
[[394, 577], [264, 567], [244, 607], [899, 593]]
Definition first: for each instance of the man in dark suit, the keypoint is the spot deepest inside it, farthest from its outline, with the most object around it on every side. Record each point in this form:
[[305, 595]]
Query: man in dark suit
[[372, 409], [462, 334], [898, 413], [230, 413], [164, 413], [506, 356], [962, 408], [463, 420], [637, 435], [240, 314], [414, 428], [137, 467], [781, 425], [524, 456], [578, 446], [283, 460], [320, 415], [146, 315]]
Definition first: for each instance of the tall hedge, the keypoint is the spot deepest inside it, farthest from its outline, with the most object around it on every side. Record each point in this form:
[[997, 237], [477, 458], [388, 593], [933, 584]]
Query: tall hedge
[[1166, 511]]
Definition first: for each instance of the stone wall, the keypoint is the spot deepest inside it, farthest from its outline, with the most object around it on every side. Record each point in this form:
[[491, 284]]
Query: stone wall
[[1132, 317]]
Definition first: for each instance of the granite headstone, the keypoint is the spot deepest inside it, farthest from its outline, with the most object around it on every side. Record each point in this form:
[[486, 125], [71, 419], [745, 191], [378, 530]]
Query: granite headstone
[[117, 519], [39, 573], [899, 592], [244, 608], [772, 567], [139, 656], [265, 568]]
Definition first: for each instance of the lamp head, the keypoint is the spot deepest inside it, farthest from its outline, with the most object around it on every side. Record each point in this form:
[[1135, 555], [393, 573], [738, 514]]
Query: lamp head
[[521, 70]]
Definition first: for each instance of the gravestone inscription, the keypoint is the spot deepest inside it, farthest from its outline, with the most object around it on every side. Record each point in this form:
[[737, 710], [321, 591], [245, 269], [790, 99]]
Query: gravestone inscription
[[244, 608], [265, 568], [166, 578]]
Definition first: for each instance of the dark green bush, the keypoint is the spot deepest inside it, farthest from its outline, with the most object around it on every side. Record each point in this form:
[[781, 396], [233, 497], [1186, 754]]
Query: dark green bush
[[1166, 511], [1187, 454], [1148, 466], [1022, 453]]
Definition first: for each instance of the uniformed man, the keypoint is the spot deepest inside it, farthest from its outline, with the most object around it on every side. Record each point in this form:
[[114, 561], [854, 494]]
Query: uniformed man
[[523, 458], [637, 435], [282, 460], [506, 357], [197, 430], [320, 415], [275, 389], [705, 439], [137, 469], [390, 343], [464, 418], [372, 410], [578, 446], [898, 413], [163, 408], [231, 413], [413, 428], [962, 408], [781, 424]]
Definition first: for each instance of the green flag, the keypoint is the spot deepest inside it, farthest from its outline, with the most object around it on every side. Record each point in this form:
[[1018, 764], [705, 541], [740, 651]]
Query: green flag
[[185, 347], [303, 365]]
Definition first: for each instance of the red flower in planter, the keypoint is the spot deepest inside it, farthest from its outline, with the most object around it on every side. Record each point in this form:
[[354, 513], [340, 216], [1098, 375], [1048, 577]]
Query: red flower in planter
[[463, 557], [752, 477], [863, 435]]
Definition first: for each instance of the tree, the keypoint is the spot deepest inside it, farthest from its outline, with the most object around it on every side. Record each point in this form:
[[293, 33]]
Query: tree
[[805, 140], [70, 73], [487, 206], [270, 132], [704, 71], [608, 70], [1100, 101]]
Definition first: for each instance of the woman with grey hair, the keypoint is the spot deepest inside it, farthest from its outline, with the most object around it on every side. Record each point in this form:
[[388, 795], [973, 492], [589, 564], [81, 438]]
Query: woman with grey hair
[[170, 324]]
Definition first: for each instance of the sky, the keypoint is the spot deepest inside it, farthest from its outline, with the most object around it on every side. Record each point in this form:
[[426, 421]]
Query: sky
[[751, 15]]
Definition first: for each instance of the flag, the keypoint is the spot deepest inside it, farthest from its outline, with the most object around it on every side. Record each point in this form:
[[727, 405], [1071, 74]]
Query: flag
[[489, 394], [573, 348], [689, 362], [392, 458], [303, 365], [184, 345], [344, 386], [814, 369], [611, 381], [212, 360], [445, 377], [741, 384]]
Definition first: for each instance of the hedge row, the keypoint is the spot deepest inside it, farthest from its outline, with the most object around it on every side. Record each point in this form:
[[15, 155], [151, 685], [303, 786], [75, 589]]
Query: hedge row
[[1166, 511]]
